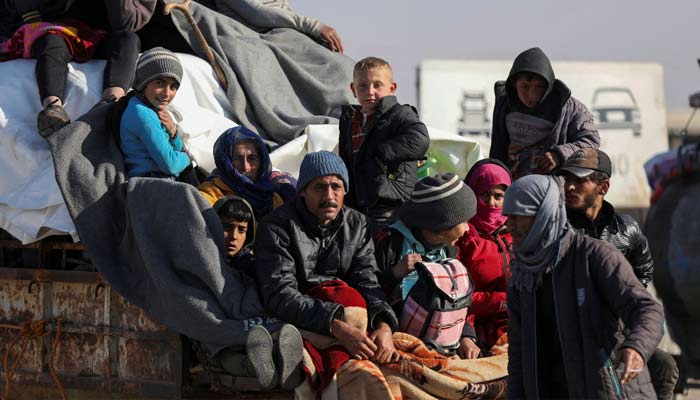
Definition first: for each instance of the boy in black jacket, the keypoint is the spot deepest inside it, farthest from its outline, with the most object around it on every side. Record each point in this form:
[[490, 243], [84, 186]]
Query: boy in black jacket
[[381, 143]]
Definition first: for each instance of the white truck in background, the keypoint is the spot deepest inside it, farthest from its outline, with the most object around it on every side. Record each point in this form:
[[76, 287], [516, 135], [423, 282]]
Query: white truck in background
[[626, 99]]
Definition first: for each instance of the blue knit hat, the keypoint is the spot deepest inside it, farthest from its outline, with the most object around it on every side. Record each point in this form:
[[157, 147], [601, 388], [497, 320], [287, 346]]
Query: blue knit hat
[[321, 163]]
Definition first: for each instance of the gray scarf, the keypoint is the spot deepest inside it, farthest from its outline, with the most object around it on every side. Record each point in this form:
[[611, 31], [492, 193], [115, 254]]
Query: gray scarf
[[543, 197]]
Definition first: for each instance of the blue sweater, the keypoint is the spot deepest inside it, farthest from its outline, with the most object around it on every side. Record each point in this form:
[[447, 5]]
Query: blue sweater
[[146, 145]]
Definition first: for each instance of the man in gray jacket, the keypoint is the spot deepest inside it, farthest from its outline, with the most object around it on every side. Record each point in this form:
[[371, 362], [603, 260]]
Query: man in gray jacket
[[567, 299], [587, 181]]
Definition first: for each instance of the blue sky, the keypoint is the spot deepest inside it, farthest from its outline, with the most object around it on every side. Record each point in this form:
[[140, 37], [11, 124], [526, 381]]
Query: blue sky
[[408, 31]]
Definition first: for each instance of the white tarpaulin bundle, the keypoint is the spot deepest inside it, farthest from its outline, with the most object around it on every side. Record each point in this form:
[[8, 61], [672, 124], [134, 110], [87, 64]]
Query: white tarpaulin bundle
[[31, 206]]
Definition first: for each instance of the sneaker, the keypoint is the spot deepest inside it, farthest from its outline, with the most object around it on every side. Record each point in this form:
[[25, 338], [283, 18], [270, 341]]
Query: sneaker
[[288, 355], [51, 119], [259, 350]]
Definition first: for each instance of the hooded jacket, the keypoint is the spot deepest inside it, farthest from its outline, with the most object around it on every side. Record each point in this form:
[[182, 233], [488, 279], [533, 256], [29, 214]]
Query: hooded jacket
[[242, 263], [623, 232], [293, 253], [385, 168], [593, 290], [571, 124]]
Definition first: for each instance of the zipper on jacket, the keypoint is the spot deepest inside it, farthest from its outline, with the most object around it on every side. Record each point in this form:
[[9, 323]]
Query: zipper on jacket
[[611, 372]]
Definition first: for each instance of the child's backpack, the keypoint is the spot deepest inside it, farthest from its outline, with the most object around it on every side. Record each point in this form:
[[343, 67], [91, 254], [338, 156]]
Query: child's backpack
[[436, 307]]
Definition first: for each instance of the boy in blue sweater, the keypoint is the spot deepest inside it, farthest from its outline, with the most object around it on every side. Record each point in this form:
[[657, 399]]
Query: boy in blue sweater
[[148, 134]]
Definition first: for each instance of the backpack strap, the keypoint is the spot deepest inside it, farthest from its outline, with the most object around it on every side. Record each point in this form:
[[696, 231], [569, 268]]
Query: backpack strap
[[447, 270]]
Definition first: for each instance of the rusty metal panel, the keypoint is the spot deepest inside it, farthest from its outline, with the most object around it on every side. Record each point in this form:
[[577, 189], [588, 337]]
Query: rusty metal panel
[[146, 359], [19, 303], [30, 361], [106, 343], [80, 303], [83, 355], [129, 317], [21, 300]]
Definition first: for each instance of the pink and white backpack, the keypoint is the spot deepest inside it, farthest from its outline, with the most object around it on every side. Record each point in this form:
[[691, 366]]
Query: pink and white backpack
[[436, 307]]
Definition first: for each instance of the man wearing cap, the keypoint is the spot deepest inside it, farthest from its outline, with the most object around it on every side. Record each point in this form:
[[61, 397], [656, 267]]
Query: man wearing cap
[[568, 298], [587, 180], [315, 240]]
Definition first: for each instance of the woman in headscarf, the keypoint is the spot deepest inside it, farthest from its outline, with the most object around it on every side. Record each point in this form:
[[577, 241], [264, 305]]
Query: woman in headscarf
[[244, 169], [427, 229], [485, 249]]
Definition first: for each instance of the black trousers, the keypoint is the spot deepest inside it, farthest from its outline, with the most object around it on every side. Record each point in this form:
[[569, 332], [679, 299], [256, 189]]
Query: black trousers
[[160, 31], [664, 374], [121, 49]]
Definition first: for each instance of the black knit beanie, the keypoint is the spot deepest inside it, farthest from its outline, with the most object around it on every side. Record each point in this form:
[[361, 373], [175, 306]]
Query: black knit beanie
[[438, 203], [155, 63]]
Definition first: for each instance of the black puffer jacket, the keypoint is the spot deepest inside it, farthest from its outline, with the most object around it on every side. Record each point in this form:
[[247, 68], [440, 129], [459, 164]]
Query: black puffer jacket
[[623, 232], [386, 166], [293, 253]]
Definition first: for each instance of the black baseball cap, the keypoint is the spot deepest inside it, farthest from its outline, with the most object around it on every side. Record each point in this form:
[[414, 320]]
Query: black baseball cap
[[587, 161]]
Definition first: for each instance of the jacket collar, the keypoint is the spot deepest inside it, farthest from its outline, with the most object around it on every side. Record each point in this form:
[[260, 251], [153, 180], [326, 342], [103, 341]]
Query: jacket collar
[[311, 224], [414, 243], [386, 104], [605, 218]]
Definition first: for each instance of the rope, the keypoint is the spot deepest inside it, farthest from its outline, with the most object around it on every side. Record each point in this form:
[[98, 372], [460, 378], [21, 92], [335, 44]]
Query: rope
[[27, 331]]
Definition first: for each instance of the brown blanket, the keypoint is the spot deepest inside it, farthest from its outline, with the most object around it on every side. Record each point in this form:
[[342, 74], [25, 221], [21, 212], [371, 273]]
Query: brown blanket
[[420, 374]]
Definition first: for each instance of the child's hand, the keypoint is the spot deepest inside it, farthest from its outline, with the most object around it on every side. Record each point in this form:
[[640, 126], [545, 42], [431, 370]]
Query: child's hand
[[468, 349], [406, 265], [167, 122], [546, 162]]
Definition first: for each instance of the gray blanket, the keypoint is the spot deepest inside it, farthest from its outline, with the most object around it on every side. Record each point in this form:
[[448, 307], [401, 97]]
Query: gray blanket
[[157, 242], [281, 80]]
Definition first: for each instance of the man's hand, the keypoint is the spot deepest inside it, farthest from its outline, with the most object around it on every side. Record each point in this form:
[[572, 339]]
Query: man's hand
[[468, 349], [354, 340], [634, 364], [406, 265], [332, 39], [546, 162], [382, 337], [167, 122]]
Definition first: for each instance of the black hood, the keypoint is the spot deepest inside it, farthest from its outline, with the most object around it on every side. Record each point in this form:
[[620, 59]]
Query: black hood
[[535, 61]]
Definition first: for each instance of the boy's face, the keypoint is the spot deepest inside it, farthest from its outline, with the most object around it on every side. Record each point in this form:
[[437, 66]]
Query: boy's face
[[371, 85], [530, 89], [161, 91], [235, 233]]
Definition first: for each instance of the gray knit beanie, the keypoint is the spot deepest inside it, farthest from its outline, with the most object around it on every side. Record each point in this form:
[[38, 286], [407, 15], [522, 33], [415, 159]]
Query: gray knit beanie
[[155, 63], [438, 203], [321, 163]]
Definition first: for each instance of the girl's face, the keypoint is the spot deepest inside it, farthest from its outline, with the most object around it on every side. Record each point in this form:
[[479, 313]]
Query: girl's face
[[161, 91], [494, 196]]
